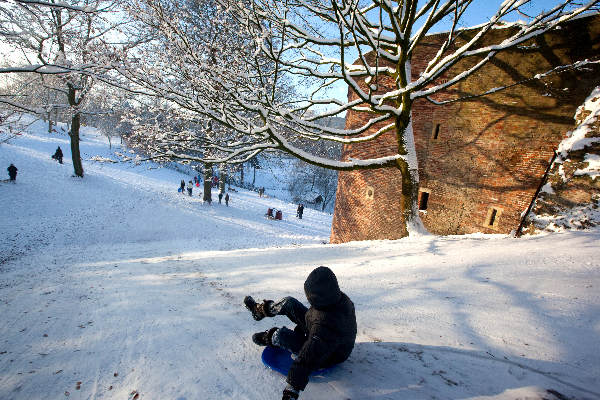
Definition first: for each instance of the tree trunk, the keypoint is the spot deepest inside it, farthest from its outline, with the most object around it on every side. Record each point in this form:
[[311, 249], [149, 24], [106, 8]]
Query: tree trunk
[[254, 177], [410, 176], [76, 156], [410, 192], [74, 132], [207, 183], [242, 175], [55, 116], [221, 181]]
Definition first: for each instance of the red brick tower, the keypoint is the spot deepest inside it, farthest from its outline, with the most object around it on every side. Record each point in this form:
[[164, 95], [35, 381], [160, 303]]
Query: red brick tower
[[481, 160]]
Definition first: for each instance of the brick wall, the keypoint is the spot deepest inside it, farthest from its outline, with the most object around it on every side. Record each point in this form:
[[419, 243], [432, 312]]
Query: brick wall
[[489, 152]]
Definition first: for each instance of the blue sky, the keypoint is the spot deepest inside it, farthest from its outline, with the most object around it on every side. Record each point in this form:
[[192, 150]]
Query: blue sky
[[479, 12]]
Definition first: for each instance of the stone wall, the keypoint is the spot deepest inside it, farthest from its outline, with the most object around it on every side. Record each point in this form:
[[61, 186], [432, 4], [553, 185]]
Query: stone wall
[[571, 197], [480, 160]]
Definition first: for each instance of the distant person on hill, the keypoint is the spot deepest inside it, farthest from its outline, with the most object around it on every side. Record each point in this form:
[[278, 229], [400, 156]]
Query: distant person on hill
[[300, 211], [190, 187], [182, 186], [220, 197], [324, 334], [227, 199], [261, 191], [12, 173], [58, 155]]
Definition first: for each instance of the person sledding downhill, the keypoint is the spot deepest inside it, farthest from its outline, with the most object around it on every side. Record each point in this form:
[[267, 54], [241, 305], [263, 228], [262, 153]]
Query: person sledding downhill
[[324, 334], [58, 155]]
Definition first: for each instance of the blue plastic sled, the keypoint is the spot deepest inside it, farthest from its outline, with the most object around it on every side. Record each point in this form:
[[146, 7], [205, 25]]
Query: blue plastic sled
[[179, 190], [280, 360]]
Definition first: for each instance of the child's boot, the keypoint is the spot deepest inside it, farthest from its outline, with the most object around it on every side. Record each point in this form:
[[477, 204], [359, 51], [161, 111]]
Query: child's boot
[[264, 338], [258, 310]]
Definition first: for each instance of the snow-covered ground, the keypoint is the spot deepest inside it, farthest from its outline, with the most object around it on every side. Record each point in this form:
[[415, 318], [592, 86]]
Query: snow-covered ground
[[116, 285]]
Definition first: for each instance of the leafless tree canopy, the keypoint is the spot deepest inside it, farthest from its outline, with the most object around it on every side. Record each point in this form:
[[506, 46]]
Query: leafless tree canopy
[[60, 49]]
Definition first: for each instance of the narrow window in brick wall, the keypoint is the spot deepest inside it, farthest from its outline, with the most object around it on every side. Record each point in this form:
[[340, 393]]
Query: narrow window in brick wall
[[370, 192], [436, 131], [493, 216], [424, 198]]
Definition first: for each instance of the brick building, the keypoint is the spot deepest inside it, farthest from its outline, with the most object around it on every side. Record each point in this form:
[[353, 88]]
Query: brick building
[[481, 160]]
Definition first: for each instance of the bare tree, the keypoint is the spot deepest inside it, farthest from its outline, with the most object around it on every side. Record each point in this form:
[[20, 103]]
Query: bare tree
[[106, 109], [234, 68], [65, 39], [11, 125], [312, 185]]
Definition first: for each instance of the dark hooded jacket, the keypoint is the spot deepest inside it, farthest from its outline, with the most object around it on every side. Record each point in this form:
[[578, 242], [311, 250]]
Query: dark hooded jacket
[[331, 326], [12, 171]]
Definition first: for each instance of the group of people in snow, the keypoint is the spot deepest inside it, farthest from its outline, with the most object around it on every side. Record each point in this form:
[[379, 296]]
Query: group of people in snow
[[190, 186], [324, 334], [273, 213], [196, 182], [226, 198]]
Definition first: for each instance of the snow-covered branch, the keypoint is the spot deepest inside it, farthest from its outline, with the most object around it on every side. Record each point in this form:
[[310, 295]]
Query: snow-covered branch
[[56, 5]]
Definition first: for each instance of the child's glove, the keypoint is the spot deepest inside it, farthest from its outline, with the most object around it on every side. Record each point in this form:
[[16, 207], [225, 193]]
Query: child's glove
[[289, 393]]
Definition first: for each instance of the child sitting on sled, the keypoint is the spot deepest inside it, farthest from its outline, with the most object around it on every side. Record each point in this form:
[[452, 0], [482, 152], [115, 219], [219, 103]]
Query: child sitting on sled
[[324, 334]]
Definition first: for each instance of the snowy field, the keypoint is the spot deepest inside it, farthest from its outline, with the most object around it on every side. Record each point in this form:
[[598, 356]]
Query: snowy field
[[118, 287]]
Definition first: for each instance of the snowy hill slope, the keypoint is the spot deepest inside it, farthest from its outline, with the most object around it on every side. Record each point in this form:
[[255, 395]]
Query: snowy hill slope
[[118, 203], [116, 285]]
